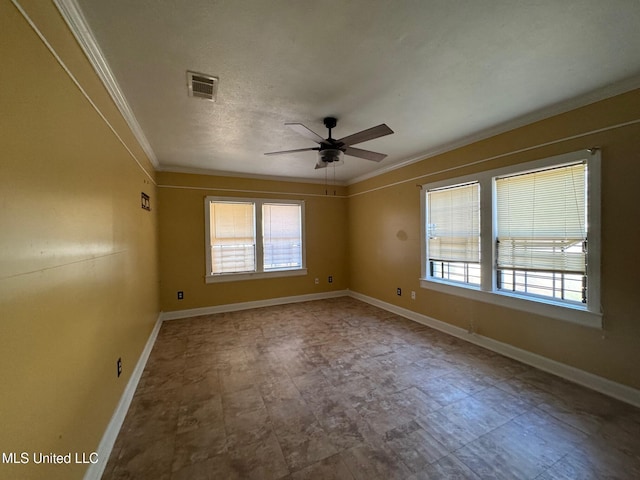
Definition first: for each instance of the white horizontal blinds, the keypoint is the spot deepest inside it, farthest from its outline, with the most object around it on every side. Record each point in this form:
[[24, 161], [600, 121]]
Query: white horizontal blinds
[[233, 238], [453, 232], [282, 235], [542, 220]]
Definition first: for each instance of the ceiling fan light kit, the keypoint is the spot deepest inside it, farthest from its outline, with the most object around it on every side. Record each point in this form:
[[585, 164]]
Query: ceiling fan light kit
[[332, 150], [330, 155]]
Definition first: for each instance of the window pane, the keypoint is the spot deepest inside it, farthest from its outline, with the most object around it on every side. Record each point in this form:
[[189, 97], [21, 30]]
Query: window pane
[[233, 239], [453, 229], [282, 236], [453, 233], [542, 220], [463, 272], [556, 285], [542, 231]]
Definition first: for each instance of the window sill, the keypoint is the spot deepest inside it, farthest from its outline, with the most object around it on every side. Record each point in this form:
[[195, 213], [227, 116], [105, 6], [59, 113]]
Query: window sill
[[238, 277], [567, 313]]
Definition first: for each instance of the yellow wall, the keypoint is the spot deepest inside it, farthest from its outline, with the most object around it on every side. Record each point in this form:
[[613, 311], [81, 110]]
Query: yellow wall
[[78, 256], [384, 240], [182, 240], [80, 261]]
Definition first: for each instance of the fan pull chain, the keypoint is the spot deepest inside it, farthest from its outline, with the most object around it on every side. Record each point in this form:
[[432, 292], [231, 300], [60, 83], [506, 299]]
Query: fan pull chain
[[326, 182], [334, 179]]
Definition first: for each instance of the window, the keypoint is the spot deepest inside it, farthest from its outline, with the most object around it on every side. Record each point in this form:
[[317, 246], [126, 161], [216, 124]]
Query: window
[[253, 238], [282, 234], [541, 238], [525, 236], [453, 233], [233, 237]]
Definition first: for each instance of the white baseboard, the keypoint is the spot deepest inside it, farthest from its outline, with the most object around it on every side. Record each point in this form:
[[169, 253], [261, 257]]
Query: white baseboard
[[234, 307], [594, 382], [586, 379], [95, 470]]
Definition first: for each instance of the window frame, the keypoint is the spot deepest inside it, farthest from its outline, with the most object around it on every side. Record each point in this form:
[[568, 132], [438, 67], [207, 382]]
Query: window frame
[[588, 314], [259, 254]]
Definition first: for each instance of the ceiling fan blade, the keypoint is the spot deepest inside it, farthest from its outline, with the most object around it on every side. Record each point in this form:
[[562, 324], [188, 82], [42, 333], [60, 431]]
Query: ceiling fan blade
[[305, 132], [366, 154], [293, 151], [368, 134]]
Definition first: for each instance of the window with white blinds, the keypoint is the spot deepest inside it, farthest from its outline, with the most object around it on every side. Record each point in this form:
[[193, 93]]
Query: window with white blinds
[[453, 233], [454, 223], [526, 236], [282, 235], [232, 237], [253, 238], [541, 220]]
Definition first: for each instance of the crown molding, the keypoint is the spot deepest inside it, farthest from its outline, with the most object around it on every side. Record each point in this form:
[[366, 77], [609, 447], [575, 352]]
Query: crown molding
[[574, 103], [78, 25], [251, 176]]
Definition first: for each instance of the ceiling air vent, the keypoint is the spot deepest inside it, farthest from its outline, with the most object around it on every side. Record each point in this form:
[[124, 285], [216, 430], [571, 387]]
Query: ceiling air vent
[[202, 86]]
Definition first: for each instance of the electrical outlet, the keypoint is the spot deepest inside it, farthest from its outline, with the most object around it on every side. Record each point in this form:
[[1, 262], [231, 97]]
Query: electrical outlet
[[180, 295], [330, 278], [413, 295], [317, 281], [119, 366], [399, 291]]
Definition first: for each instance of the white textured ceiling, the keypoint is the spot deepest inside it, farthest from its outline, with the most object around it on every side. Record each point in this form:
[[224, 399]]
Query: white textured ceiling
[[438, 72]]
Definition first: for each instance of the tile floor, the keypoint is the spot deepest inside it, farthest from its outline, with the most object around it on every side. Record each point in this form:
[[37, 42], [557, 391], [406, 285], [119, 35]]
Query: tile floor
[[338, 389]]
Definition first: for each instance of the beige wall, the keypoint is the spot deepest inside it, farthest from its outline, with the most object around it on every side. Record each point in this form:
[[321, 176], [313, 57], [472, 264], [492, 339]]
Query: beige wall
[[384, 240], [78, 256], [182, 240]]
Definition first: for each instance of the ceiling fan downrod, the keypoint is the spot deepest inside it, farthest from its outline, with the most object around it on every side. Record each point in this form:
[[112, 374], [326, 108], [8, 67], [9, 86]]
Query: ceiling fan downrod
[[330, 122]]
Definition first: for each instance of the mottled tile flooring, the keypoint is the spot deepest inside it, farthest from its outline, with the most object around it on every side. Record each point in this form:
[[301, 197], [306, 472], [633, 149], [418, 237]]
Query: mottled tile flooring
[[338, 389]]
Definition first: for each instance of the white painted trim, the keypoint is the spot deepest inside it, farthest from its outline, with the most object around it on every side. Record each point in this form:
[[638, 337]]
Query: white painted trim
[[495, 157], [589, 315], [257, 176], [609, 91], [234, 307], [95, 471], [243, 277], [72, 15], [77, 84], [260, 272], [261, 192], [544, 307], [594, 382]]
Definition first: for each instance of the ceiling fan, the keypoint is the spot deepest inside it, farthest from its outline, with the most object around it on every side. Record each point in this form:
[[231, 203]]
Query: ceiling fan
[[331, 150]]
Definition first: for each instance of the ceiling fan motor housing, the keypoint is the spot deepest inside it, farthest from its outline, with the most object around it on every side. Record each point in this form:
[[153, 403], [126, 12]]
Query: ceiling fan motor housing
[[330, 122]]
